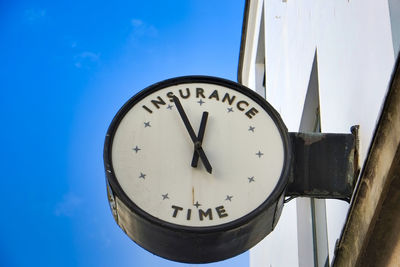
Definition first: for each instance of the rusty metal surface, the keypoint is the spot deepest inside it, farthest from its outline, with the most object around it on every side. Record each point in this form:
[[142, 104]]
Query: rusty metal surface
[[324, 165]]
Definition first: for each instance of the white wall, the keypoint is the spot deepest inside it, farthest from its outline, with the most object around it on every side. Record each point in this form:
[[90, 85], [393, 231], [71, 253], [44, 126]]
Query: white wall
[[353, 39]]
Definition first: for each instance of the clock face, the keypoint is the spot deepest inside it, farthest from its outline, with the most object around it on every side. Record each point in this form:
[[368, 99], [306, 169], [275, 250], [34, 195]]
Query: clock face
[[222, 170]]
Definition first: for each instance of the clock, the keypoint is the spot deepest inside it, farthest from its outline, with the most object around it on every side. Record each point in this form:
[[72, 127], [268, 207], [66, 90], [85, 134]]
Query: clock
[[197, 168]]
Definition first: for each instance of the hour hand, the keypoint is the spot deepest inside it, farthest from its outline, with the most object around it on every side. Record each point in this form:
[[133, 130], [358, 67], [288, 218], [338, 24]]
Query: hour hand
[[200, 137]]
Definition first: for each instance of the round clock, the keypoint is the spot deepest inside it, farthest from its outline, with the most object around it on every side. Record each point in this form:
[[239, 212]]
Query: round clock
[[197, 168]]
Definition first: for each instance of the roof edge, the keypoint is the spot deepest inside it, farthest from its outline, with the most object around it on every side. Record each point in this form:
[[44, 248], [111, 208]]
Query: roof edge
[[374, 179]]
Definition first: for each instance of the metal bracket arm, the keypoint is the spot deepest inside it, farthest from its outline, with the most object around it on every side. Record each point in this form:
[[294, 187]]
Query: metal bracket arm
[[324, 165]]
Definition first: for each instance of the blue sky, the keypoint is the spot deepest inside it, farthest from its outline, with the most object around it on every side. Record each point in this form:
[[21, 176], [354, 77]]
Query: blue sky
[[67, 67]]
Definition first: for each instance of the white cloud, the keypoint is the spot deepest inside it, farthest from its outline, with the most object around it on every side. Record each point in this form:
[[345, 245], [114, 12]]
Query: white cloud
[[136, 22], [34, 14], [68, 205], [141, 28], [86, 59]]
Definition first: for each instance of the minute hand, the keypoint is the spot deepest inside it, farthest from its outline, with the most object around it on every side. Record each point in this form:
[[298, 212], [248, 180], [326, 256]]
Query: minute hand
[[189, 128]]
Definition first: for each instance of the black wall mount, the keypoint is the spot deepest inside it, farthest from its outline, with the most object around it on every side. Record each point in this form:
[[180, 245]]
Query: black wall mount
[[323, 165]]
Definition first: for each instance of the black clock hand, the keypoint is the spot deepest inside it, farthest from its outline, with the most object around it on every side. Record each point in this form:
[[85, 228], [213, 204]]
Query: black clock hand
[[185, 119], [200, 137], [203, 157], [193, 136]]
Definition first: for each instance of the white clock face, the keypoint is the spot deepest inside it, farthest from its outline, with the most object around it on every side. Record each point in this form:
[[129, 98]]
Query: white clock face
[[152, 152]]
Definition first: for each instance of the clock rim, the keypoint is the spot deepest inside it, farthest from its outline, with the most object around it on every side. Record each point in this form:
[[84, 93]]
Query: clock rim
[[270, 200]]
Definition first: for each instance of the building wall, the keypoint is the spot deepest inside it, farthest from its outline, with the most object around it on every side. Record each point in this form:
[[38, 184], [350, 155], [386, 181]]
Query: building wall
[[354, 44]]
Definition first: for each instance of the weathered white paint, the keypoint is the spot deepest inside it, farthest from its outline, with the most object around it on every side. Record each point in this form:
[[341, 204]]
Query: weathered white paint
[[353, 40]]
